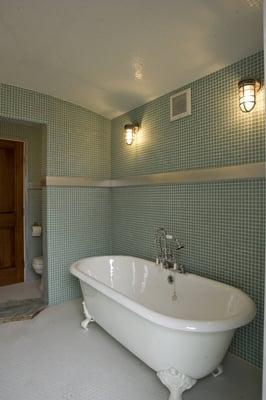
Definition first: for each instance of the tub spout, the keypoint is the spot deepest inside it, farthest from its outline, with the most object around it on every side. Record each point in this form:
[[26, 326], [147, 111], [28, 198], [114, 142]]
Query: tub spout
[[176, 382]]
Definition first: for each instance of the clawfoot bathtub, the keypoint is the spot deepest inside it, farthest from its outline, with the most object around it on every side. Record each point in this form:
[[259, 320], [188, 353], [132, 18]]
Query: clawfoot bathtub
[[180, 327]]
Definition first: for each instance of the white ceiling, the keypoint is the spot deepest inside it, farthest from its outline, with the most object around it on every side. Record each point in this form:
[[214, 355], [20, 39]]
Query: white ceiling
[[84, 50]]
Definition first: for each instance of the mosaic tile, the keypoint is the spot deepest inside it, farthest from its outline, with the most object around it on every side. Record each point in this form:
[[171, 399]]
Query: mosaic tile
[[79, 221], [222, 223], [75, 142], [222, 228], [216, 134], [78, 140]]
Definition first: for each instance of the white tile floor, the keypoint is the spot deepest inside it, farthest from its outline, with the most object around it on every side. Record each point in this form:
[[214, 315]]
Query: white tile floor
[[52, 358], [20, 291]]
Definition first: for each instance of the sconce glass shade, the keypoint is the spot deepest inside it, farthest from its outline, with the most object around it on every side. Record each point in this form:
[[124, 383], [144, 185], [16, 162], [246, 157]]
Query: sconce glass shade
[[247, 94], [130, 132]]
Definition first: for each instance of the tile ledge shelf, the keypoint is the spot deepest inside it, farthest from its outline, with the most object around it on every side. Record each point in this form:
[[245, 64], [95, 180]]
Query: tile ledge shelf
[[233, 172]]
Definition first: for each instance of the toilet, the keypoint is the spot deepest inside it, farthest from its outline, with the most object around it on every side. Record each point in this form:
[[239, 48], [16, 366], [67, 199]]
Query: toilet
[[37, 265]]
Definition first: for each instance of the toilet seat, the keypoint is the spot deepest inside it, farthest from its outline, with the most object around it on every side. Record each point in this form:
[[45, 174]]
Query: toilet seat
[[37, 265]]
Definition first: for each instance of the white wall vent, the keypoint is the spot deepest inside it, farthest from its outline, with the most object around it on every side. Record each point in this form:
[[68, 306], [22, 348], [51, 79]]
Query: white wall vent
[[180, 104]]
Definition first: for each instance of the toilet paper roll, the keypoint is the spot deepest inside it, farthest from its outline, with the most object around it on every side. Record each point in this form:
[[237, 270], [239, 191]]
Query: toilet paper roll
[[36, 230]]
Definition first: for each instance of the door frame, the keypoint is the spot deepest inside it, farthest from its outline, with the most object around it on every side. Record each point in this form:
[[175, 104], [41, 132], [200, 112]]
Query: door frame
[[264, 326], [25, 196]]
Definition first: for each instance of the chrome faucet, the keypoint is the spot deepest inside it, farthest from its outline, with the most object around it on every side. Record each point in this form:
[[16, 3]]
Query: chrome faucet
[[168, 247]]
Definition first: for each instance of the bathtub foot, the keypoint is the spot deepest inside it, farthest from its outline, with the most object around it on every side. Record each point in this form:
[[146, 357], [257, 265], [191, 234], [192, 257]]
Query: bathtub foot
[[218, 371], [84, 324], [176, 382]]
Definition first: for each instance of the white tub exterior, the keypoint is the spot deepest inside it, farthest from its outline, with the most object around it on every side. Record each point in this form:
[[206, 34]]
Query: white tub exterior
[[133, 301]]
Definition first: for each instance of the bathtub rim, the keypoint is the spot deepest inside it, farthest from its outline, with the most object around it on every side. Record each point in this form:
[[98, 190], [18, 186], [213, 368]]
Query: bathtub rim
[[200, 326]]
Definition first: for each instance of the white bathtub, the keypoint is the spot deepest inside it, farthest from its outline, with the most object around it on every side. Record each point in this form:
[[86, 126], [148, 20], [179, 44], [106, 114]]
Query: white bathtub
[[181, 330]]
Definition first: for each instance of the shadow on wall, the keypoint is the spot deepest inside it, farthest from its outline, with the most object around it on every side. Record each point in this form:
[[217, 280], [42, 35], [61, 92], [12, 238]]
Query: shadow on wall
[[120, 100]]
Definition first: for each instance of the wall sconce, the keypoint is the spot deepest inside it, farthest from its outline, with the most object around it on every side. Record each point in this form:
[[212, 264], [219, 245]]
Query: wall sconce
[[130, 132], [247, 93]]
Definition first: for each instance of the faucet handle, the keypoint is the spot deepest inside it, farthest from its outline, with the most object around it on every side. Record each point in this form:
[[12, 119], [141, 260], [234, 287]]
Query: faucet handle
[[169, 237], [181, 269], [179, 245]]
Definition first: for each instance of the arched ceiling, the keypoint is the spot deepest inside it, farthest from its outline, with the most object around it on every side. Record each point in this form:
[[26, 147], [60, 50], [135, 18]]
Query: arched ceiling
[[84, 51]]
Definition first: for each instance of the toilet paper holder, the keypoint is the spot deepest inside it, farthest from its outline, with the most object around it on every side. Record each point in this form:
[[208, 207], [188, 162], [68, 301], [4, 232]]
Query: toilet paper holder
[[36, 230]]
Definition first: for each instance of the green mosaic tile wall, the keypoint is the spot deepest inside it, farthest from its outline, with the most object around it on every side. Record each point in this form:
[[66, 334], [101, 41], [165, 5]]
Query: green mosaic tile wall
[[222, 228], [80, 226], [76, 142], [34, 244], [221, 224], [32, 136], [45, 244], [216, 134]]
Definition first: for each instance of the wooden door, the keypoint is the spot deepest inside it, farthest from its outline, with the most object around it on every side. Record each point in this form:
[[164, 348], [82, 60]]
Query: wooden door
[[11, 212]]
